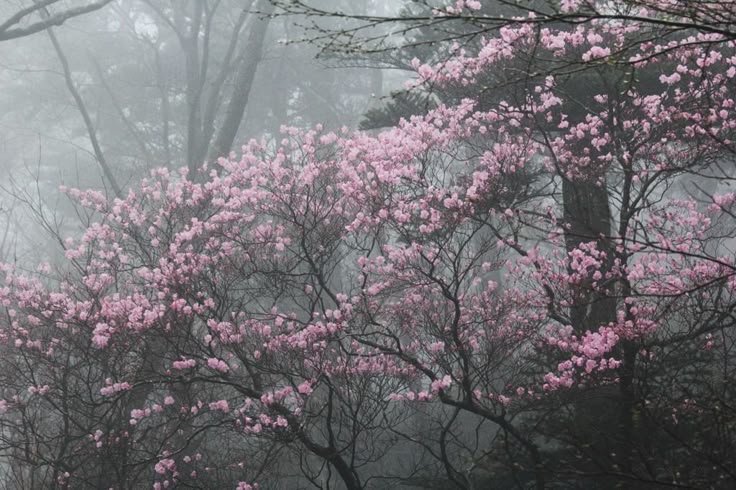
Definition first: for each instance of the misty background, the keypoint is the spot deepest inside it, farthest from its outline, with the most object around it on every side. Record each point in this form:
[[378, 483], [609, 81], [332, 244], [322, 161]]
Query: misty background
[[140, 84]]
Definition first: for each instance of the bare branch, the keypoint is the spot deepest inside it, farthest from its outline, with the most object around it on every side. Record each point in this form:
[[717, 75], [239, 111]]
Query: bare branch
[[8, 31]]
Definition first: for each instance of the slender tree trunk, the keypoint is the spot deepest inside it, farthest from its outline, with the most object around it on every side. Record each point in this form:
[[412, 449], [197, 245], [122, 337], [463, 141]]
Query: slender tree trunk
[[194, 89], [99, 155], [215, 89], [243, 81], [163, 87]]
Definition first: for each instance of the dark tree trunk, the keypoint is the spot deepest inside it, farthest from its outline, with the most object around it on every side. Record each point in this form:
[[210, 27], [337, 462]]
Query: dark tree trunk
[[588, 215]]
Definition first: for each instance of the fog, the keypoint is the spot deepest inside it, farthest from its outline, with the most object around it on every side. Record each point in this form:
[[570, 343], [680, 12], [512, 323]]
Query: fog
[[155, 95]]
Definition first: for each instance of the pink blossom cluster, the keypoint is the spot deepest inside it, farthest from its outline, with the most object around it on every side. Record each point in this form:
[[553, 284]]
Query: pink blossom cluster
[[433, 261]]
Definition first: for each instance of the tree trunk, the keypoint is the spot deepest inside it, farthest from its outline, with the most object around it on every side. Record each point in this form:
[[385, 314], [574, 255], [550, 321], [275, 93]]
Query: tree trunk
[[587, 213], [91, 132], [243, 81]]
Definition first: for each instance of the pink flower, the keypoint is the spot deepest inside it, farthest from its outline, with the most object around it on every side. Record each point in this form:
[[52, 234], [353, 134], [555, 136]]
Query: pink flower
[[569, 5], [220, 405], [164, 466], [112, 388], [596, 52], [305, 388], [218, 365]]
